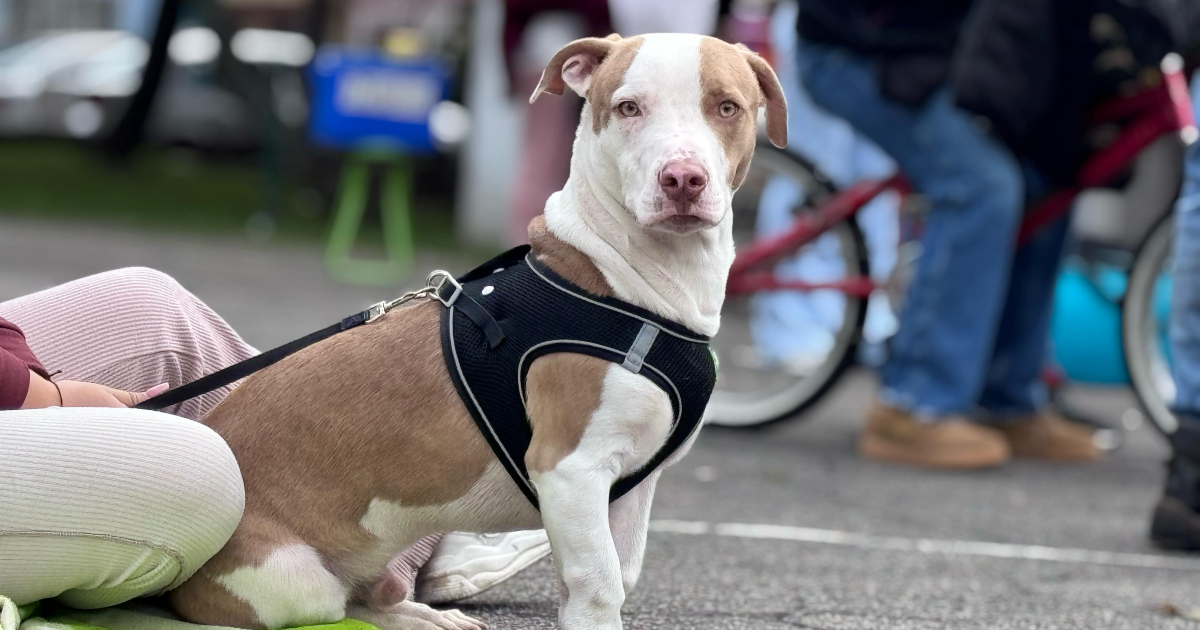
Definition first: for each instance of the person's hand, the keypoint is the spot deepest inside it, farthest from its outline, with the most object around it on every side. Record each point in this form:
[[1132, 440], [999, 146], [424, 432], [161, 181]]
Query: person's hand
[[81, 394], [42, 393]]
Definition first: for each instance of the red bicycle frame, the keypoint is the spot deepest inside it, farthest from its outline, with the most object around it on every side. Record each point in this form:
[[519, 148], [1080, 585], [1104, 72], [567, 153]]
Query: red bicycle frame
[[1154, 112]]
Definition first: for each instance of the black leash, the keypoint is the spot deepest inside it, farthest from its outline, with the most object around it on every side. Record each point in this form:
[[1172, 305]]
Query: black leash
[[238, 371], [440, 286]]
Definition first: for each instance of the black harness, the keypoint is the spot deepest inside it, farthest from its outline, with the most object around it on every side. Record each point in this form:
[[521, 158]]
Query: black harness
[[502, 316], [513, 309]]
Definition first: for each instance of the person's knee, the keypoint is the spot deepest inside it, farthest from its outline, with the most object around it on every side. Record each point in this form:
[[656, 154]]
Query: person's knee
[[170, 491], [993, 188], [210, 481], [198, 499], [149, 283]]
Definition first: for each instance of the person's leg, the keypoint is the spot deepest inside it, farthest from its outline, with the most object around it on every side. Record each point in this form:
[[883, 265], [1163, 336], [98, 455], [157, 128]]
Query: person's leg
[[938, 358], [99, 506], [974, 185], [1184, 326], [1176, 520], [1013, 387], [130, 329], [1014, 397]]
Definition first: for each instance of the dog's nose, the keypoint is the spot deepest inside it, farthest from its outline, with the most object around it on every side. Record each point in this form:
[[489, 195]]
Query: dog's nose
[[682, 180]]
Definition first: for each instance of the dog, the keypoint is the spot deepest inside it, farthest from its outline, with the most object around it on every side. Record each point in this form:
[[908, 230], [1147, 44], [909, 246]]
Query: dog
[[358, 446]]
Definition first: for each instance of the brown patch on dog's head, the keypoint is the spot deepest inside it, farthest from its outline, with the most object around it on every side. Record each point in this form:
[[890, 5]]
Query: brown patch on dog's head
[[608, 78], [594, 68], [735, 74]]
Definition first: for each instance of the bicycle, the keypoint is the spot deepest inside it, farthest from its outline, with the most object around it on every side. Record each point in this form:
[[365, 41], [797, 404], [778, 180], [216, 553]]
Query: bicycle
[[754, 392]]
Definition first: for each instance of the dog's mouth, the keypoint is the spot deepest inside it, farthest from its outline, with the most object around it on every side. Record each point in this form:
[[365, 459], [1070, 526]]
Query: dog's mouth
[[682, 224]]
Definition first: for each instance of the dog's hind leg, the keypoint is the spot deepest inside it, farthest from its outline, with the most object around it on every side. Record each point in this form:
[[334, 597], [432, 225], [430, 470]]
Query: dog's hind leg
[[263, 578]]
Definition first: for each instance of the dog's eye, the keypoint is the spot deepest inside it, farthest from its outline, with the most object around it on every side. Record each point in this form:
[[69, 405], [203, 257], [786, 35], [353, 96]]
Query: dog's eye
[[628, 109], [727, 109]]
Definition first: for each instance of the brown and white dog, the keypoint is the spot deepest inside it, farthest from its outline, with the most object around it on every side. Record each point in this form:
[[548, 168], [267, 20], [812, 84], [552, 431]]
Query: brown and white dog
[[353, 449]]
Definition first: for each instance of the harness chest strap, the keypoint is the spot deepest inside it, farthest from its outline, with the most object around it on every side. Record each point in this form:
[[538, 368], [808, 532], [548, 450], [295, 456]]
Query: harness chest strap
[[506, 313]]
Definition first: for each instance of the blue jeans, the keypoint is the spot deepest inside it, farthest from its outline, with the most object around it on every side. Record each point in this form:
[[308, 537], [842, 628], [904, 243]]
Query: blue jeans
[[973, 329], [1184, 328]]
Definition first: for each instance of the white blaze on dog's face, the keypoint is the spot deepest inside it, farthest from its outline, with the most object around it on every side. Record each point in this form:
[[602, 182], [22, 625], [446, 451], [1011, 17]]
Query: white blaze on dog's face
[[672, 121]]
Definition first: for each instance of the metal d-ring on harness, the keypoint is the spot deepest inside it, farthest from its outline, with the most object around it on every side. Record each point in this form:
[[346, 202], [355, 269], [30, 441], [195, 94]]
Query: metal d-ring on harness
[[238, 371]]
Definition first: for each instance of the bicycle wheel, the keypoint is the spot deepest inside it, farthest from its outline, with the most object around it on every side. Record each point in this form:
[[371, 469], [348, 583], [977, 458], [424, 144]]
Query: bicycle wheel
[[1143, 326], [753, 388]]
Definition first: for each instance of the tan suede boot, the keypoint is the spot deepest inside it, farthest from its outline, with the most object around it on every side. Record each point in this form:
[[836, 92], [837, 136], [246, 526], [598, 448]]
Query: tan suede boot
[[1048, 435], [898, 437]]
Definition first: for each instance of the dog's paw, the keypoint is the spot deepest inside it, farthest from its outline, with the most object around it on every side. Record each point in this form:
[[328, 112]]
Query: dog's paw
[[414, 616]]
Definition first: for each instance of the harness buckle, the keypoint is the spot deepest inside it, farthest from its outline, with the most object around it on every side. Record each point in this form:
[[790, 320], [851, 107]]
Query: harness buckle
[[437, 280]]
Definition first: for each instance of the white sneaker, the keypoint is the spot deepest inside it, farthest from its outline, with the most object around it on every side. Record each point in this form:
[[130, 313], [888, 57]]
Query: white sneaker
[[464, 564]]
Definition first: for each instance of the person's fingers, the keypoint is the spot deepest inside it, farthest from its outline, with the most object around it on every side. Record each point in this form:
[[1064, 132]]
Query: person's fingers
[[131, 399], [128, 399]]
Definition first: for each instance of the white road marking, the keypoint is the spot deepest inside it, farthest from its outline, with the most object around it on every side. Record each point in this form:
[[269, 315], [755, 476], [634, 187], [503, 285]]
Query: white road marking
[[925, 545]]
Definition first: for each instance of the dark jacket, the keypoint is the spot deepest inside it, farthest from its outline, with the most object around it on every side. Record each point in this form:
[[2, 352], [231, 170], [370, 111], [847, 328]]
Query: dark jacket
[[1027, 66], [1034, 67], [912, 41], [884, 28]]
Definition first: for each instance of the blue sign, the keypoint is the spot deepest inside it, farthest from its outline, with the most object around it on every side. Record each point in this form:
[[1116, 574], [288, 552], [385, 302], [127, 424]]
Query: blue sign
[[363, 99]]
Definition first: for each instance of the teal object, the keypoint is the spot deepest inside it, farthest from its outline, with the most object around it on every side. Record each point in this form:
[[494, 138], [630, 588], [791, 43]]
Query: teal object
[[1162, 312], [1086, 324]]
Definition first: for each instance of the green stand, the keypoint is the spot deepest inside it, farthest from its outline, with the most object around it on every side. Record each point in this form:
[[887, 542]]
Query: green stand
[[395, 202]]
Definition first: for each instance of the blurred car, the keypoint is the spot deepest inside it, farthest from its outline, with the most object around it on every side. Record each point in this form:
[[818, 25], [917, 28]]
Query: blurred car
[[77, 84]]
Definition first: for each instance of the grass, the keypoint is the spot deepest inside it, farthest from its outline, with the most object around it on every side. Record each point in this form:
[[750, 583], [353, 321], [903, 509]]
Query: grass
[[177, 190]]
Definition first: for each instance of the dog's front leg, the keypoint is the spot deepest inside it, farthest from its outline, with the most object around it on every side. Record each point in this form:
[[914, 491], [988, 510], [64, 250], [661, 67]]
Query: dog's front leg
[[574, 505], [629, 519]]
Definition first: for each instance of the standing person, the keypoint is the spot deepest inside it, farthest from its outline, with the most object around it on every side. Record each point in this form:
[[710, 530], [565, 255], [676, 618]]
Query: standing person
[[973, 329], [100, 504], [1176, 520]]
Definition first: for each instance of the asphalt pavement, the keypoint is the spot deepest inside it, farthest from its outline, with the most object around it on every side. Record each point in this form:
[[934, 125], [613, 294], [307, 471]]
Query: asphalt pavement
[[762, 530]]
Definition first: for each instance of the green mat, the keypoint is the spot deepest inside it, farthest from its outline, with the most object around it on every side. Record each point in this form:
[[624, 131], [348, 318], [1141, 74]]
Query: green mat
[[131, 616]]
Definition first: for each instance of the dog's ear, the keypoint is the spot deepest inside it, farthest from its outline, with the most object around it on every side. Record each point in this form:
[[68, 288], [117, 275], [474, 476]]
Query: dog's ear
[[773, 94], [574, 65]]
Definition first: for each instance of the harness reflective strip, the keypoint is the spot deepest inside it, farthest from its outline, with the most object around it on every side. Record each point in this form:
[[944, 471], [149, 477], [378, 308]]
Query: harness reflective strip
[[640, 348]]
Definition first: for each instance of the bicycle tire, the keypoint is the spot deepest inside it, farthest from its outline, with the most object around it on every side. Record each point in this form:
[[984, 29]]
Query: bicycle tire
[[1145, 361], [751, 410]]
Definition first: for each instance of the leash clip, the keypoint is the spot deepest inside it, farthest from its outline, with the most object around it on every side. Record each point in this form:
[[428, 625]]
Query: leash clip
[[376, 311], [437, 280]]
